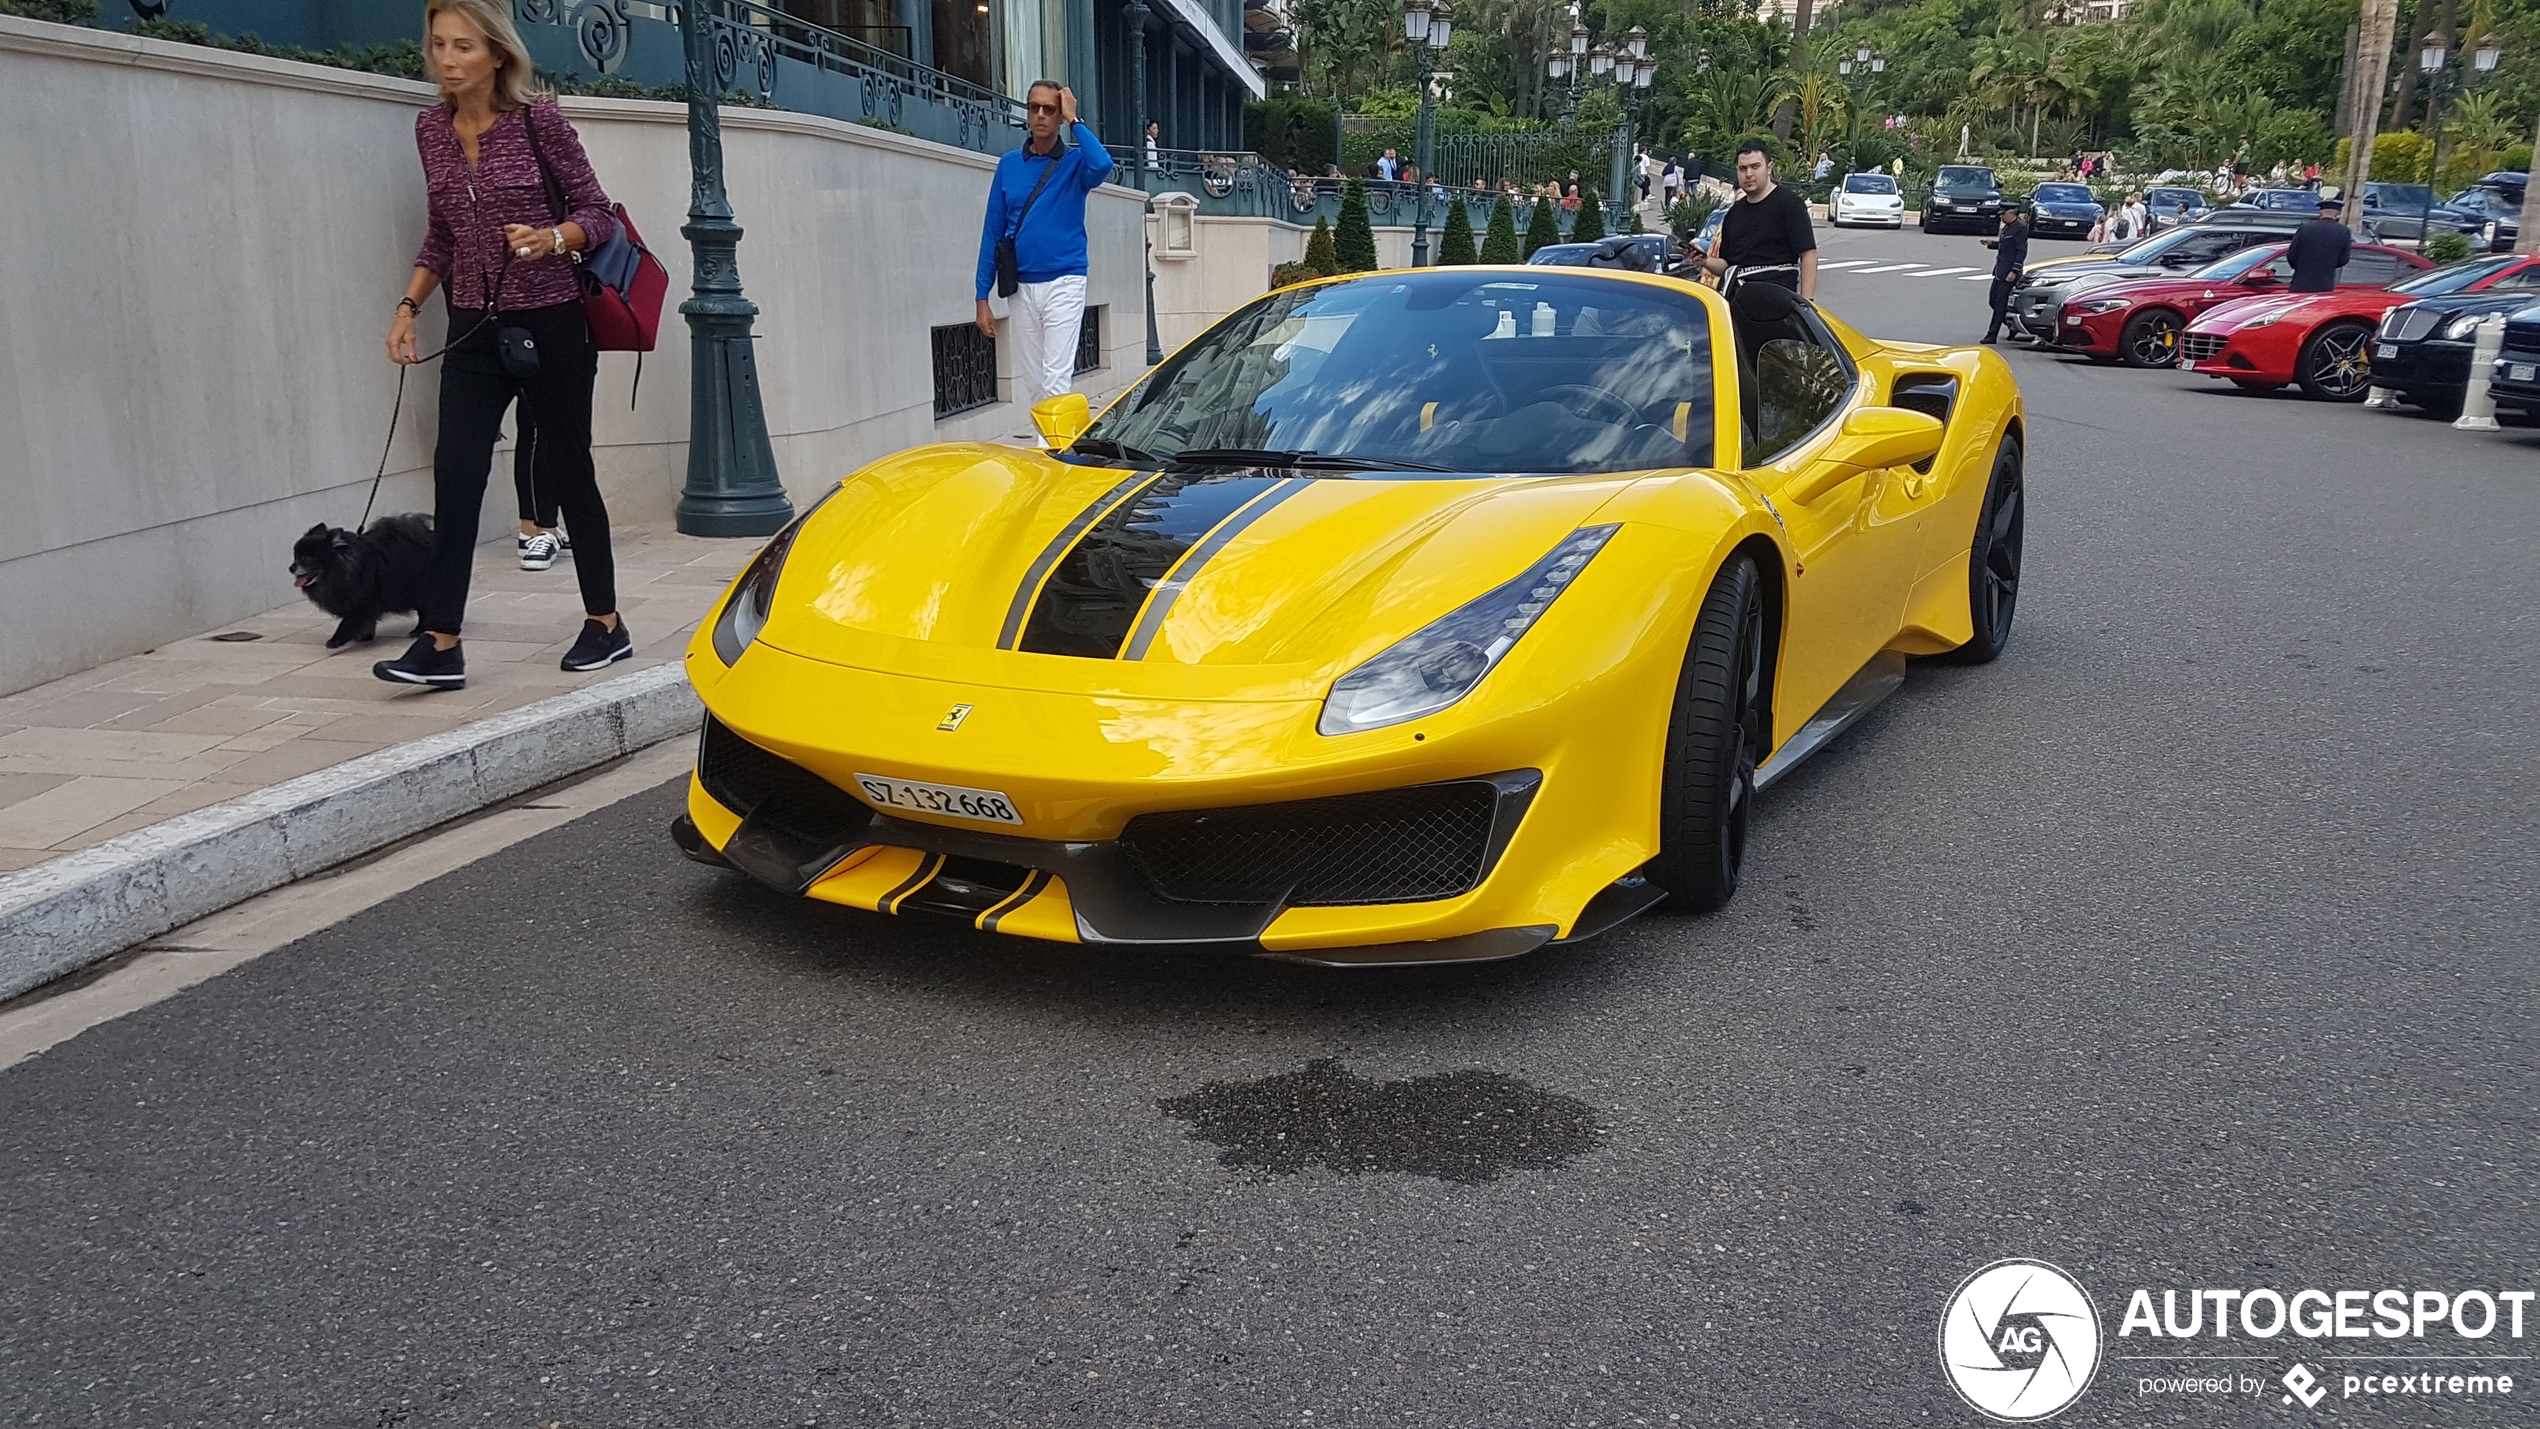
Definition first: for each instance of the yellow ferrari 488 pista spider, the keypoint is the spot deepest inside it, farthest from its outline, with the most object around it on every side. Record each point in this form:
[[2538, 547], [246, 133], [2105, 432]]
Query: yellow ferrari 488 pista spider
[[1404, 617]]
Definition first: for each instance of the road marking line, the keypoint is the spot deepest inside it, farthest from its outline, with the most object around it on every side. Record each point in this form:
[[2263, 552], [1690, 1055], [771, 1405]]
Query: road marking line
[[1845, 263], [1944, 272], [1977, 278], [176, 960], [1890, 268]]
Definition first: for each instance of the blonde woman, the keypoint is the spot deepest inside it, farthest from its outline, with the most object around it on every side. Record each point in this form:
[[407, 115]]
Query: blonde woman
[[505, 264]]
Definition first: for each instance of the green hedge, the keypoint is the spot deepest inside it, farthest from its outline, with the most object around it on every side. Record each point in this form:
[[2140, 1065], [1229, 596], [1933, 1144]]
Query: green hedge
[[60, 12]]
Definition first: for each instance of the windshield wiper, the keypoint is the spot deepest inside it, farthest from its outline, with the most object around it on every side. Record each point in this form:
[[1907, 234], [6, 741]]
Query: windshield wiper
[[1116, 451], [1317, 461]]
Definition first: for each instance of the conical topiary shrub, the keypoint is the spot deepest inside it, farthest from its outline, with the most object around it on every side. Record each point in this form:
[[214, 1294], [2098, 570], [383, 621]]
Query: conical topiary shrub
[[1355, 240], [1318, 250], [1589, 226], [1455, 249], [1500, 244], [1543, 228], [1636, 228]]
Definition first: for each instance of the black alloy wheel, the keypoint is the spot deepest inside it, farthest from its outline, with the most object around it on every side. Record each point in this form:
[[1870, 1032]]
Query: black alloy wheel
[[1993, 560], [2336, 364], [1715, 737], [2150, 339]]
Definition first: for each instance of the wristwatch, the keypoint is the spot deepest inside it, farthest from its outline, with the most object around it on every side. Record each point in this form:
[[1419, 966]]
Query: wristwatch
[[557, 234]]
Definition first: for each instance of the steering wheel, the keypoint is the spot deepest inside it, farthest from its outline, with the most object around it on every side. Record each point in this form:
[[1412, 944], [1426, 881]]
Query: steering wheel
[[1605, 404]]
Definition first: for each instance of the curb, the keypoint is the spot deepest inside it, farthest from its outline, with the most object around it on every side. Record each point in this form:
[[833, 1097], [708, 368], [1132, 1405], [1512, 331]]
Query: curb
[[58, 917]]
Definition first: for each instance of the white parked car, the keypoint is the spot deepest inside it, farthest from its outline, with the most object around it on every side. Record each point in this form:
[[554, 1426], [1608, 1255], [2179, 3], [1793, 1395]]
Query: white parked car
[[1866, 199]]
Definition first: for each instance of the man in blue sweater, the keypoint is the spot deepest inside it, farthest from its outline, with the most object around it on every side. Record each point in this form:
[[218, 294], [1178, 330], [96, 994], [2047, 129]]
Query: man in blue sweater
[[1038, 200]]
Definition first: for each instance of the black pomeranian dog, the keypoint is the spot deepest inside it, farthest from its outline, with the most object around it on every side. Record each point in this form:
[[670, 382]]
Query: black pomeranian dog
[[359, 576]]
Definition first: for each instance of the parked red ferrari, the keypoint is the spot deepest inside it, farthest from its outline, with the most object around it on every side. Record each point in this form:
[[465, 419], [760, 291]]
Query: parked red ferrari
[[2323, 340], [2139, 322]]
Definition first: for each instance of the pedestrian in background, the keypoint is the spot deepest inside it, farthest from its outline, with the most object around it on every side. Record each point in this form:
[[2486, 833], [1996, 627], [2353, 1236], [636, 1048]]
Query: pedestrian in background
[[1153, 144], [1036, 202], [505, 264], [2319, 248], [2010, 258], [1765, 237]]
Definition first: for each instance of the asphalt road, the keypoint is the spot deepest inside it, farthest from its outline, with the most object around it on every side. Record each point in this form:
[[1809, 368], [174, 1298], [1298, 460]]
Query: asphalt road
[[2190, 945]]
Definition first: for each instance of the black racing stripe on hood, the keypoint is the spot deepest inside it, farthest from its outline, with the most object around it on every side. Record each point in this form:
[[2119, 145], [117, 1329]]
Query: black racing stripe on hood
[[1059, 546], [1092, 597]]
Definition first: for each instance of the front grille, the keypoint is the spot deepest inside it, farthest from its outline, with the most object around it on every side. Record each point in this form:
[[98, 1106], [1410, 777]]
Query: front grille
[[749, 780], [1394, 846], [2407, 324], [2197, 346]]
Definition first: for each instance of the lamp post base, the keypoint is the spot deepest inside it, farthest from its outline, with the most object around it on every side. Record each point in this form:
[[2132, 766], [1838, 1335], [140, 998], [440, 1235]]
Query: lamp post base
[[732, 487]]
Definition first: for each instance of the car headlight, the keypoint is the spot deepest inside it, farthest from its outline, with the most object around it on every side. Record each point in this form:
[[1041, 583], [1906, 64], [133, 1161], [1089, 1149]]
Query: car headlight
[[1440, 663], [2463, 325], [753, 597], [2097, 305]]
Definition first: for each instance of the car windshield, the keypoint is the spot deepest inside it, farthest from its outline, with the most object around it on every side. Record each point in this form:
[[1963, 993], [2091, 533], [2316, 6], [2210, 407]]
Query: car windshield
[[2401, 196], [1564, 255], [1870, 184], [2172, 198], [2227, 268], [2150, 249], [2457, 278], [1953, 177], [2064, 193], [1465, 371]]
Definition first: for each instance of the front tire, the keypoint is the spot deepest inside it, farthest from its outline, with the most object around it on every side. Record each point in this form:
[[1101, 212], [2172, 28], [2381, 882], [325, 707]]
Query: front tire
[[2336, 365], [2150, 339], [1715, 737], [1993, 559]]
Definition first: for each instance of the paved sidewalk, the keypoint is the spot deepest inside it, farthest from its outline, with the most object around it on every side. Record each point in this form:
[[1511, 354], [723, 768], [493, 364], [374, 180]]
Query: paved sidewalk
[[101, 753]]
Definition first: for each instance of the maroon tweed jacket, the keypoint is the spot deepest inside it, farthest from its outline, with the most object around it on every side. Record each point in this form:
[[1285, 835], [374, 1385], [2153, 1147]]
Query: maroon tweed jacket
[[469, 207]]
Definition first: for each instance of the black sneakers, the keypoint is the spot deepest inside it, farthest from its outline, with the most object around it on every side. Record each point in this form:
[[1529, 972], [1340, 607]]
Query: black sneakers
[[599, 646], [424, 665]]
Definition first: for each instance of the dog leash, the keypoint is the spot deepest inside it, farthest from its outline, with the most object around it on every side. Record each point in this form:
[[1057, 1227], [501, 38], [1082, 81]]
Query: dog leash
[[398, 407], [403, 368]]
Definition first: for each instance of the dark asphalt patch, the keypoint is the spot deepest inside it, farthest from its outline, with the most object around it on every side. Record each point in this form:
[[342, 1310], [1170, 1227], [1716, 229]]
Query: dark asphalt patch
[[1465, 1127]]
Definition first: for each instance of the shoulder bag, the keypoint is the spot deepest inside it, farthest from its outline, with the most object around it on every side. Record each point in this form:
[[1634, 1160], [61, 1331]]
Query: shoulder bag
[[623, 284], [1009, 266]]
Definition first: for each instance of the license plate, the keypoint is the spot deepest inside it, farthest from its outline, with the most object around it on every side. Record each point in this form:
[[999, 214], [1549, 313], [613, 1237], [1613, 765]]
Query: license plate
[[2385, 350], [2520, 372], [985, 805]]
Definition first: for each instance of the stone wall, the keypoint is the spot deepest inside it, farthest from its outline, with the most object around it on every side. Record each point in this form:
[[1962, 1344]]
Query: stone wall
[[203, 249]]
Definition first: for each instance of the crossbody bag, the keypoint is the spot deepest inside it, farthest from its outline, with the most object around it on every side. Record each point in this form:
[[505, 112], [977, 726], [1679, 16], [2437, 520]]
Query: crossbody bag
[[1009, 266]]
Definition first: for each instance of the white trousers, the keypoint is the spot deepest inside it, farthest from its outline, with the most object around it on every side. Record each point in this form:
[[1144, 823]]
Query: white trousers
[[1044, 319]]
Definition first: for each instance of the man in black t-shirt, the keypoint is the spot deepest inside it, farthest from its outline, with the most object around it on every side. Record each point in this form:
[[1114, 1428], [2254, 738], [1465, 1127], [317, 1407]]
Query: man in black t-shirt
[[1766, 237]]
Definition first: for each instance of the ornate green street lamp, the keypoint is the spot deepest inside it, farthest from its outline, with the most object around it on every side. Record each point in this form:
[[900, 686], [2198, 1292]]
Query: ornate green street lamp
[[1428, 24], [732, 487]]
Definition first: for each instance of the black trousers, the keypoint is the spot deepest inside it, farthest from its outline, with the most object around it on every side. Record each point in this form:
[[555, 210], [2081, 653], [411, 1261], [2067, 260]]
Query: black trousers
[[1999, 295], [476, 389]]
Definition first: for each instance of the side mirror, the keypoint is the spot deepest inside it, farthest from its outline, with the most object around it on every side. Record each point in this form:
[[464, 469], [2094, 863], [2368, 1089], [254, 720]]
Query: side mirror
[[1062, 419], [1874, 437], [2258, 279]]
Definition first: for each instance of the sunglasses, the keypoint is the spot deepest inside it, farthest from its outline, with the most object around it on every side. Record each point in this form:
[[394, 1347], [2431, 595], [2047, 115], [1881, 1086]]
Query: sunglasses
[[1040, 108]]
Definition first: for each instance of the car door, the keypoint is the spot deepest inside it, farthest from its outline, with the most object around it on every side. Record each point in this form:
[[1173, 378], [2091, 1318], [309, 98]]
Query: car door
[[2369, 268], [1852, 558]]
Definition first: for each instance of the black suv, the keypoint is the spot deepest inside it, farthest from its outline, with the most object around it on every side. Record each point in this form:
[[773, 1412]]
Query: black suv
[[1963, 195]]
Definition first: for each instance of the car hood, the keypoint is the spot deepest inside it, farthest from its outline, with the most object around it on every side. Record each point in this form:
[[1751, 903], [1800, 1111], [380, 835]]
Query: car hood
[[977, 549], [2069, 210], [2302, 308], [2452, 304], [2141, 290]]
